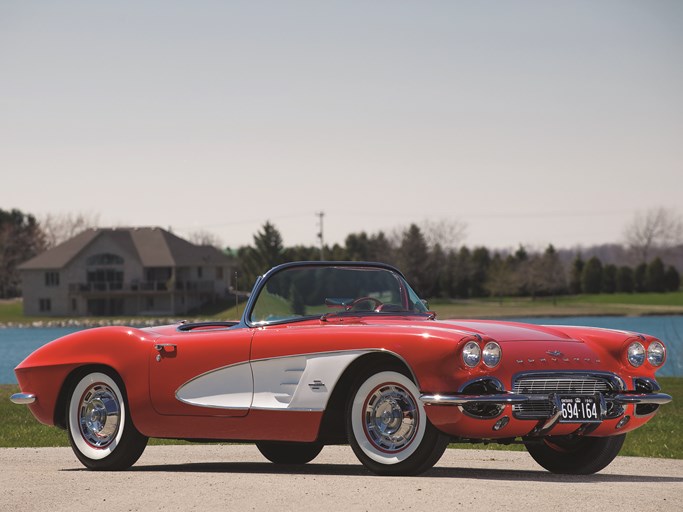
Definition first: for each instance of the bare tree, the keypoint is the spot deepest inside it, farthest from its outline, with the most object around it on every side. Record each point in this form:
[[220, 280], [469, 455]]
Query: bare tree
[[447, 233], [203, 237], [657, 229], [60, 227]]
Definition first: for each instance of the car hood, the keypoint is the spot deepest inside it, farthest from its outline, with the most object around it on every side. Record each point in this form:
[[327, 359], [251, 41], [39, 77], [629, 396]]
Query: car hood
[[508, 331]]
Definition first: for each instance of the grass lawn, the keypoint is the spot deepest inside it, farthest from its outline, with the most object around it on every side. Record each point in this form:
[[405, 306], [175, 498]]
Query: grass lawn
[[661, 437]]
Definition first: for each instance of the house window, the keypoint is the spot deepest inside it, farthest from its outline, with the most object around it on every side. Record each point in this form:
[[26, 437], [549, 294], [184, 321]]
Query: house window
[[104, 259], [44, 305], [51, 278], [74, 305], [150, 303], [200, 272], [219, 272]]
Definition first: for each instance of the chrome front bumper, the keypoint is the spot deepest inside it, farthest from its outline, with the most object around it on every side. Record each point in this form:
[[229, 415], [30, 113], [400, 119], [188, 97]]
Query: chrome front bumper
[[514, 398], [23, 398]]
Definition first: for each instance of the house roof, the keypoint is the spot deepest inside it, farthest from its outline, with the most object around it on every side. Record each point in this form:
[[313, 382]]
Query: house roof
[[155, 247]]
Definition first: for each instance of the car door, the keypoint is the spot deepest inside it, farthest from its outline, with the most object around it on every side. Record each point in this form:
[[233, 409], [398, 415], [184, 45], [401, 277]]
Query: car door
[[203, 372]]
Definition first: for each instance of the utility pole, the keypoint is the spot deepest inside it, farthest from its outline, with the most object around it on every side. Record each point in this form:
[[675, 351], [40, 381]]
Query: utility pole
[[320, 235]]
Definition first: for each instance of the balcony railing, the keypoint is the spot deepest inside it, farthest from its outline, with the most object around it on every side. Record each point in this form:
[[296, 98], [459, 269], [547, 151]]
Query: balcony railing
[[141, 287]]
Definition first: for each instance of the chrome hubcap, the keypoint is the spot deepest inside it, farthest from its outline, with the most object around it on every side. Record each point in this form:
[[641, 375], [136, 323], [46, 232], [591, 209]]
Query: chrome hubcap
[[99, 415], [391, 418]]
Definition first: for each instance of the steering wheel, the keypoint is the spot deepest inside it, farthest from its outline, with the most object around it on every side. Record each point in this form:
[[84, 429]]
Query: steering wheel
[[376, 302]]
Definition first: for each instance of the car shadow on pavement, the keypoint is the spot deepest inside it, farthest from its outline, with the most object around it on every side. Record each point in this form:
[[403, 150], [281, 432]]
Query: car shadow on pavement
[[358, 470]]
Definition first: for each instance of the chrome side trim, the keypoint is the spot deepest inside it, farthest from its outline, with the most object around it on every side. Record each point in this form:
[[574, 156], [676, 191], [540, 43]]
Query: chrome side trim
[[642, 398], [23, 398], [502, 399]]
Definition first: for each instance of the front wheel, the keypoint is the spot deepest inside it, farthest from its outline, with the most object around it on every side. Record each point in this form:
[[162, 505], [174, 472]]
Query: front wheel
[[289, 453], [387, 426], [101, 432], [575, 455]]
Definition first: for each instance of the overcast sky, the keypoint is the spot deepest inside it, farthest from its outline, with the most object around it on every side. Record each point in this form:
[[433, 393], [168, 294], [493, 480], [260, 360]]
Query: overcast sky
[[533, 122]]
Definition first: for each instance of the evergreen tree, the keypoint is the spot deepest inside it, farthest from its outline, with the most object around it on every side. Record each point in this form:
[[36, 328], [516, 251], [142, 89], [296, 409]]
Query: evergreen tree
[[672, 279], [461, 274], [20, 240], [625, 280], [413, 257], [551, 272], [591, 277], [639, 281], [655, 280], [609, 279], [575, 275], [481, 259]]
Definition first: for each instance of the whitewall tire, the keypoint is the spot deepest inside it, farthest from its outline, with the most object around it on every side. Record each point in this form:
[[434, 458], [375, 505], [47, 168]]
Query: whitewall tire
[[101, 432], [388, 428]]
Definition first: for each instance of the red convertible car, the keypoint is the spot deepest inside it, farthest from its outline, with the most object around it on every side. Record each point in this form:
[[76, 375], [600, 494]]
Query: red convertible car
[[339, 352]]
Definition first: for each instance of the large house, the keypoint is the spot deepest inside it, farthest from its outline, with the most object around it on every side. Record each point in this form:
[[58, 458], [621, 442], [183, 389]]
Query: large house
[[124, 271]]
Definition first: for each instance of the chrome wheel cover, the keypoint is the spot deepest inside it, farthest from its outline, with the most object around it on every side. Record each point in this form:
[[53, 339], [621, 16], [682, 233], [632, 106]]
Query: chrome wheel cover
[[390, 418], [99, 415]]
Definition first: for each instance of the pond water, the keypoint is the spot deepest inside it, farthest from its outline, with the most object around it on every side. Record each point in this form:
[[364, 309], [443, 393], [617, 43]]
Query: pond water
[[17, 343]]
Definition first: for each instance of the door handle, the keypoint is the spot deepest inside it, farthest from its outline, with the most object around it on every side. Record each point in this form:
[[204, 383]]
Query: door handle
[[169, 349], [165, 347]]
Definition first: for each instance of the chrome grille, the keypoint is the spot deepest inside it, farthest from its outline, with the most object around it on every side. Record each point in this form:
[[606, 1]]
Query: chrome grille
[[545, 385], [573, 385]]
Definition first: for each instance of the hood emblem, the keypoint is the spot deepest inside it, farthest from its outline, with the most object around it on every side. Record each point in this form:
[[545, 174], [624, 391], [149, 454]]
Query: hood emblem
[[554, 353]]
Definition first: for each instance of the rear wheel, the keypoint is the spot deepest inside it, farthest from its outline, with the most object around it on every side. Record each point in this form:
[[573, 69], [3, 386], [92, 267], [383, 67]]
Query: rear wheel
[[576, 455], [101, 432], [387, 426], [289, 453]]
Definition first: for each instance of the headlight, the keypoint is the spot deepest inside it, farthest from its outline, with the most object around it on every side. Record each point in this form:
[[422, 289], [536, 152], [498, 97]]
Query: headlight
[[491, 354], [471, 354], [636, 354], [656, 353]]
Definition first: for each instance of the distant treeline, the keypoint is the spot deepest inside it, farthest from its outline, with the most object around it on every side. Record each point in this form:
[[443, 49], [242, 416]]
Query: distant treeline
[[435, 271], [432, 259]]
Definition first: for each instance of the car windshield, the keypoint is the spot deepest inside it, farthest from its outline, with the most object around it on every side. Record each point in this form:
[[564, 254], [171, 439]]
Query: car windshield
[[300, 292]]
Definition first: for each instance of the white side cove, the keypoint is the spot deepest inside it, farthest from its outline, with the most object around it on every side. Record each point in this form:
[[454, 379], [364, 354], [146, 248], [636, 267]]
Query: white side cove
[[302, 382]]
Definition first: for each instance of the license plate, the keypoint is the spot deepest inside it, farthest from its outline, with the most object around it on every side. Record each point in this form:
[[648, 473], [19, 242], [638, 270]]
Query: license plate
[[579, 409]]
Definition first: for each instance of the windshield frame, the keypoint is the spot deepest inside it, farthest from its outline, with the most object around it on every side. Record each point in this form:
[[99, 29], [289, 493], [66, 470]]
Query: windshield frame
[[262, 281]]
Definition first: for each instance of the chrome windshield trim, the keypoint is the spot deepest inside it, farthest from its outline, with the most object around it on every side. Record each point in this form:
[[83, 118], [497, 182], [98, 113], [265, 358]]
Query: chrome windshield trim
[[505, 398], [23, 398]]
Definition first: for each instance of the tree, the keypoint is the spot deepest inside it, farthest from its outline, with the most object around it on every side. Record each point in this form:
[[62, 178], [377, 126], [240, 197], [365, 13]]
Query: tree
[[591, 278], [20, 239], [267, 253], [625, 280], [445, 232], [672, 279], [655, 280], [413, 256], [203, 237], [609, 279], [639, 281], [655, 229], [481, 259], [551, 273], [461, 276], [501, 279], [60, 227], [575, 275], [269, 248]]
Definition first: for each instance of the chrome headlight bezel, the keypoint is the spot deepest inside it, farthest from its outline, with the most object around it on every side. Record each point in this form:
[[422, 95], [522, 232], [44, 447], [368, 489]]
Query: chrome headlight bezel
[[492, 354], [471, 354], [635, 354], [656, 353]]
